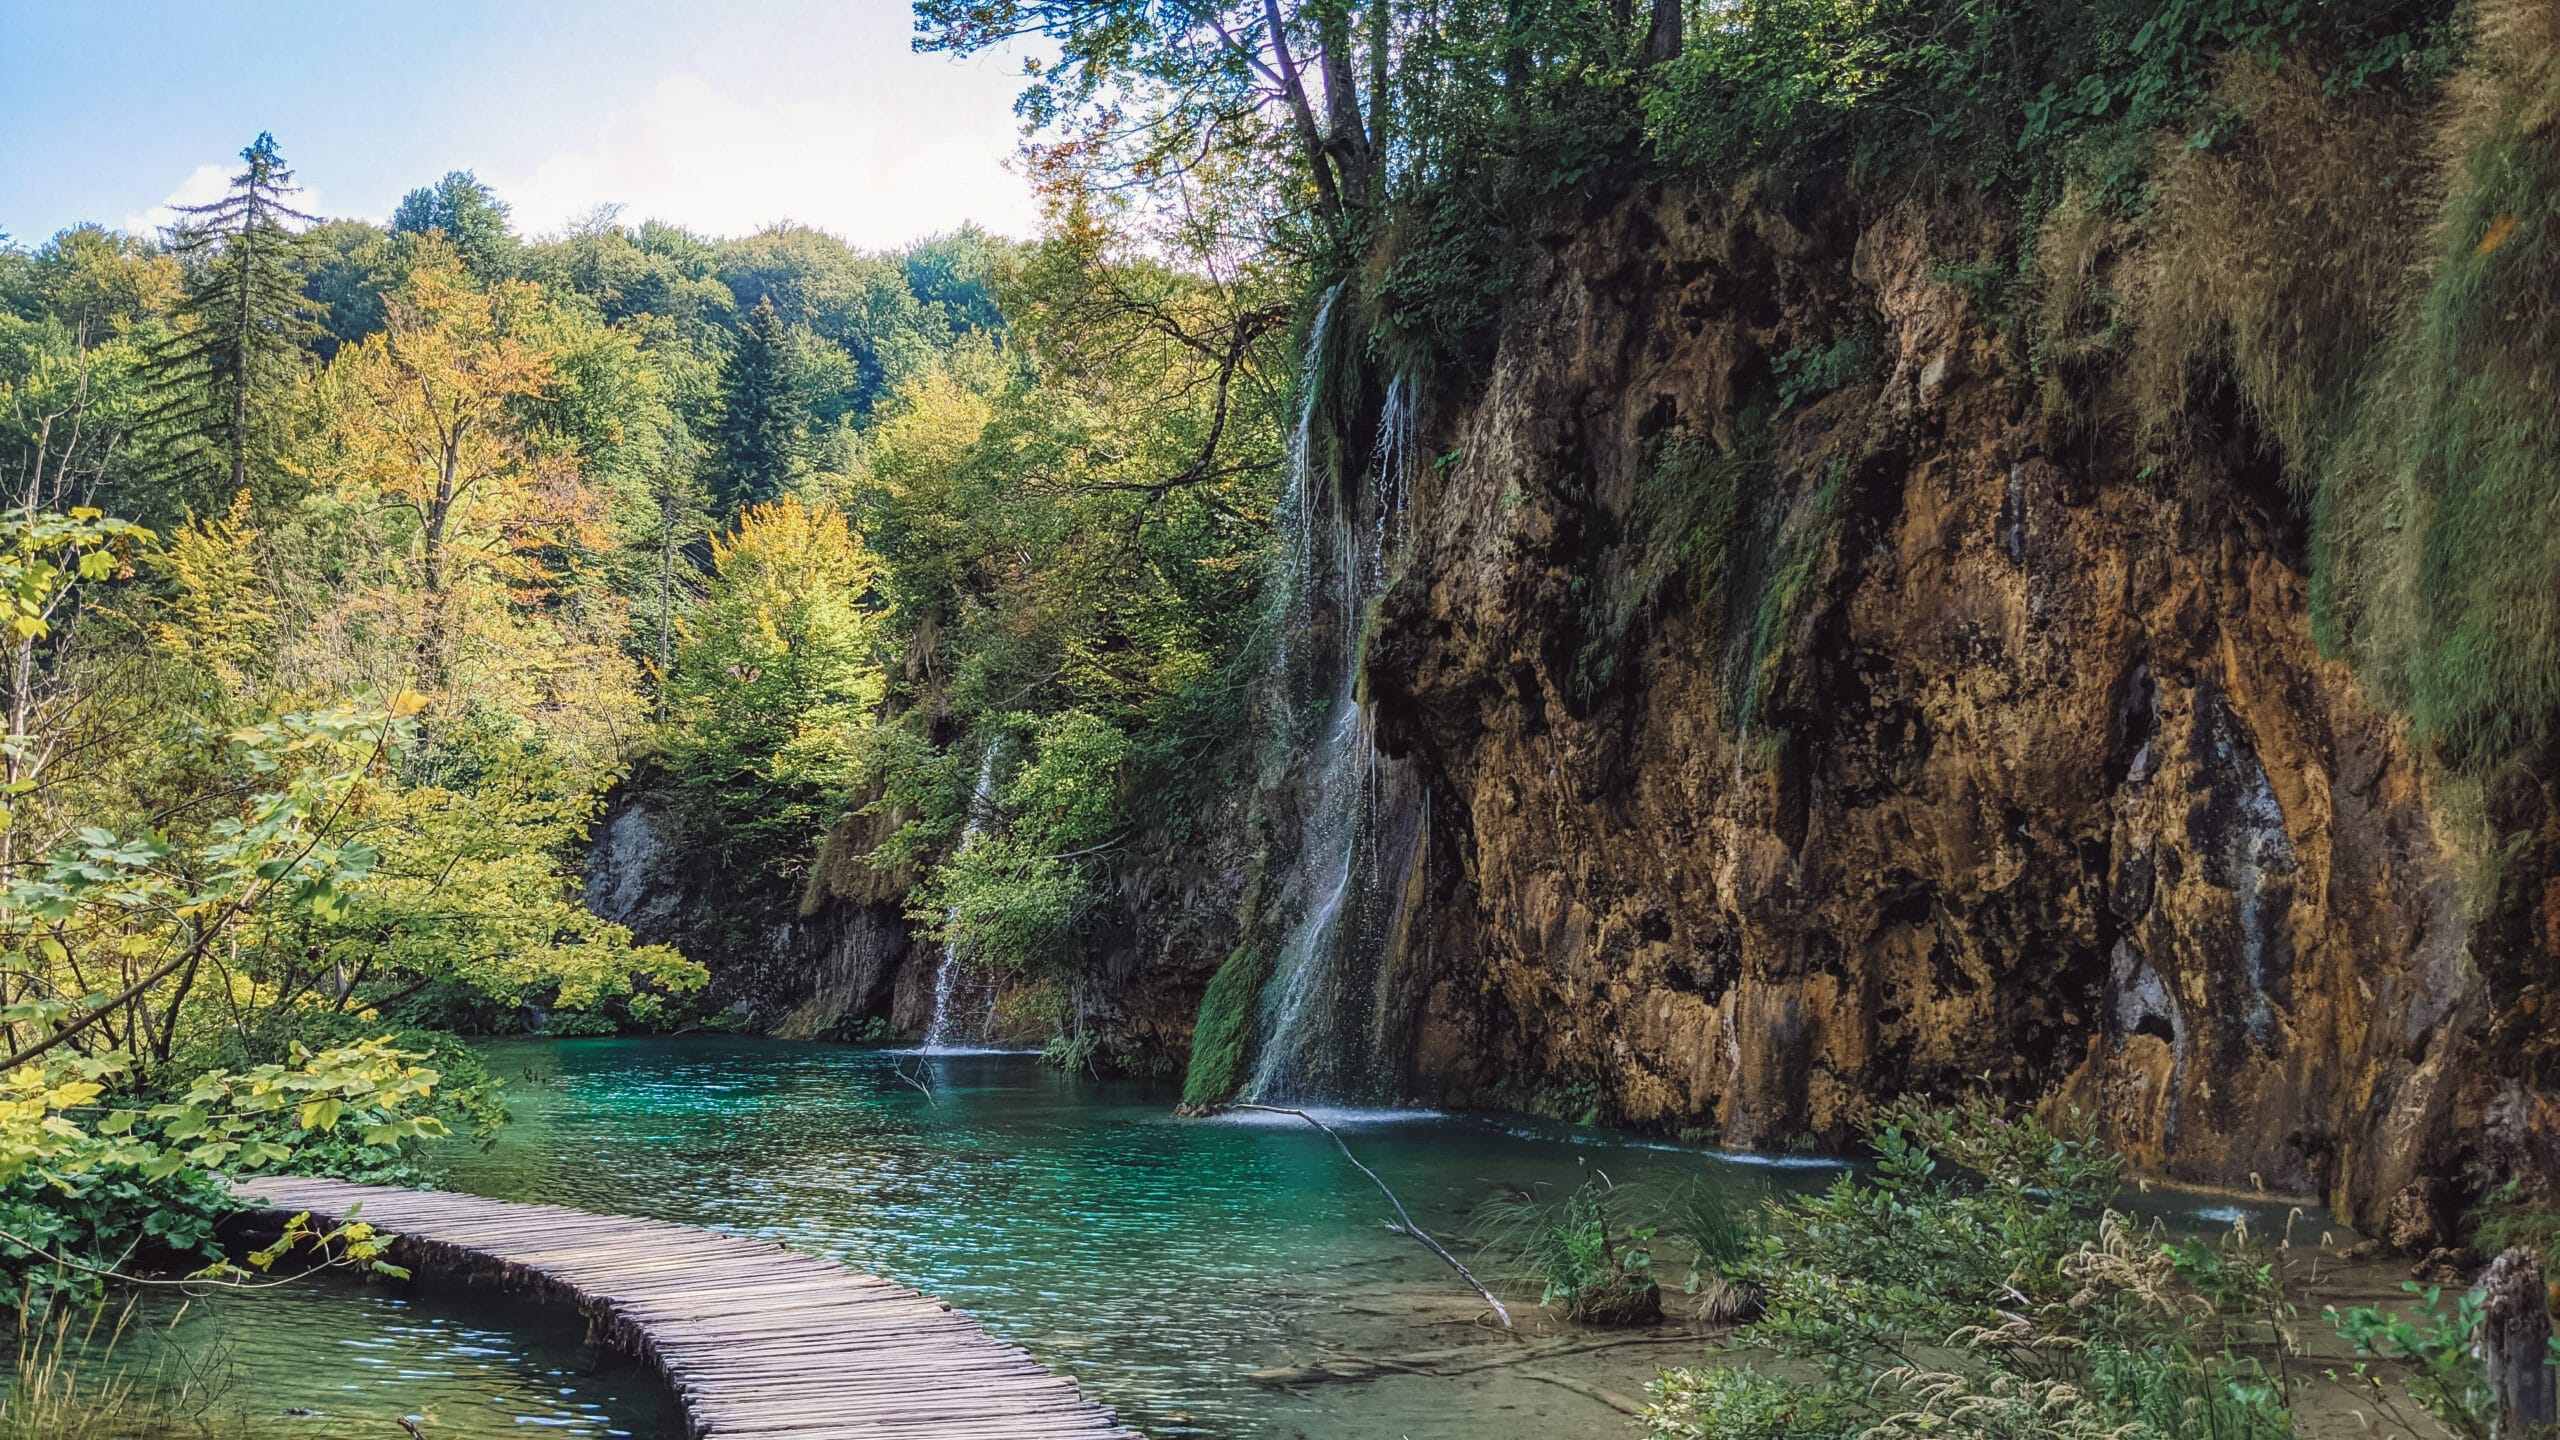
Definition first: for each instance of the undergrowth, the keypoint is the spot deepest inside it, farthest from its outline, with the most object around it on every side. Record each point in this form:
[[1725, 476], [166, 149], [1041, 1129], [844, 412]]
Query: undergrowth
[[1583, 1251], [1975, 1284]]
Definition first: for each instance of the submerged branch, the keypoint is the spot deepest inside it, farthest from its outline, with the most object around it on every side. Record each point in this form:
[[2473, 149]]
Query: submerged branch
[[1403, 1224]]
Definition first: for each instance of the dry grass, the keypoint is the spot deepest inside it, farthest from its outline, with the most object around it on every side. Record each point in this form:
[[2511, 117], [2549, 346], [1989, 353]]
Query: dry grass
[[2278, 254], [75, 1377]]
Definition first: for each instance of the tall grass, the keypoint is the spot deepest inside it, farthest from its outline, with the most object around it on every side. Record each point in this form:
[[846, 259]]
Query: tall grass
[[95, 1375], [1581, 1251]]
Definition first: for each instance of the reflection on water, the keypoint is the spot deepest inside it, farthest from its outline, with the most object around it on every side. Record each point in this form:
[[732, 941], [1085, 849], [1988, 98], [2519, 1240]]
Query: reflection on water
[[336, 1359], [1157, 1260]]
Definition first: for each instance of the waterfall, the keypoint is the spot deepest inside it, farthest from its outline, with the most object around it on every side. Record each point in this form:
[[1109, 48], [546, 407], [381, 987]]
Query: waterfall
[[946, 980], [1329, 1030]]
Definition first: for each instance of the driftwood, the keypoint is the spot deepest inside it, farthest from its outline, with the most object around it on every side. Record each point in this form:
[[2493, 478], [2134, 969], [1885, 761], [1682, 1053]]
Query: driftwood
[[1445, 1363], [2515, 1342], [1586, 1390], [1403, 1223]]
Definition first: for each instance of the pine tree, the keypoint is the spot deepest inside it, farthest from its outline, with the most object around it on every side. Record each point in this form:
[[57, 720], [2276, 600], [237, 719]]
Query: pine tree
[[764, 418], [241, 331]]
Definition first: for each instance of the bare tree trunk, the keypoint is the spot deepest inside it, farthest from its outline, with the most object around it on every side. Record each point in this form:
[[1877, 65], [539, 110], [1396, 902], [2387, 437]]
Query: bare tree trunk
[[1294, 90], [2515, 1341], [438, 514], [1382, 105], [1662, 42], [1347, 135]]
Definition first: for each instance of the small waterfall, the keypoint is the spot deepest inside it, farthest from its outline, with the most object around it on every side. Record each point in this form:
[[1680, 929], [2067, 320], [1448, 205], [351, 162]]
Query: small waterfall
[[1328, 1029], [947, 1003]]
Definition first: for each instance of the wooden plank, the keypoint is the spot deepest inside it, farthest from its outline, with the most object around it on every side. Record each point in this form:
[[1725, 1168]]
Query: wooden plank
[[757, 1341]]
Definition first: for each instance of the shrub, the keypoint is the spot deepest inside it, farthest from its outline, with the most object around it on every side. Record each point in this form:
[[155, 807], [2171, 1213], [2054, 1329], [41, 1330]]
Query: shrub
[[1579, 1251], [2433, 1350], [1975, 1285], [85, 1187]]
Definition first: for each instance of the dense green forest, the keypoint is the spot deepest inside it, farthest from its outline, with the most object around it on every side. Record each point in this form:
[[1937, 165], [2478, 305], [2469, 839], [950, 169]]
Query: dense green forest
[[355, 568]]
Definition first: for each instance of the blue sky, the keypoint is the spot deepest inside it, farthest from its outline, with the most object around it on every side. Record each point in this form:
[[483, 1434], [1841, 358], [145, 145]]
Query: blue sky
[[721, 116]]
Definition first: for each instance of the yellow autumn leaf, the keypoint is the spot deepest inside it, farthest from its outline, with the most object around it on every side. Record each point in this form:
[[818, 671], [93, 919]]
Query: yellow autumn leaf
[[2500, 230]]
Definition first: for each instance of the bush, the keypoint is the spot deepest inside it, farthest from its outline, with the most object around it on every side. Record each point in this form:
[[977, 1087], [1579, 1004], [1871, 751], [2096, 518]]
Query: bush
[[1981, 1243], [1578, 1251], [86, 1187]]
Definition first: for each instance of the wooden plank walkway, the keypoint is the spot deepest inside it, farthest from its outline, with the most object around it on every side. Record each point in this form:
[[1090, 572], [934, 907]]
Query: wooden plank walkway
[[756, 1340]]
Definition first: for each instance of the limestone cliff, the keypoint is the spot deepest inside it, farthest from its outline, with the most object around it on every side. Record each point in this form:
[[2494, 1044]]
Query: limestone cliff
[[1812, 712]]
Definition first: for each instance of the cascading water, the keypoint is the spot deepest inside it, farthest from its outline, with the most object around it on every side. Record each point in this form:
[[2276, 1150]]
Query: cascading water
[[1328, 1023], [948, 1004]]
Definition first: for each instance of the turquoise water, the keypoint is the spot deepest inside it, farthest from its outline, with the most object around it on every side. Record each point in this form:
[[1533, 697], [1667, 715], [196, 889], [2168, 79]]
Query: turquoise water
[[1159, 1261], [332, 1359]]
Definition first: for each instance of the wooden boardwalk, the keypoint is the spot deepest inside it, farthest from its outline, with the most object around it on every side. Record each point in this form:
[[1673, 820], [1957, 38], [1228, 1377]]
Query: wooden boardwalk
[[756, 1340]]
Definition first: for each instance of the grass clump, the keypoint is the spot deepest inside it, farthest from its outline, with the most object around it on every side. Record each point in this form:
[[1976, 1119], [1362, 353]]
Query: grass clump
[[2287, 288], [1580, 1251], [73, 1378], [1976, 1284]]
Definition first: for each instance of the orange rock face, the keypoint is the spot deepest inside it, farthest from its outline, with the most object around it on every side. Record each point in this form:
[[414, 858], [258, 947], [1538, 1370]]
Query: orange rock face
[[1992, 748]]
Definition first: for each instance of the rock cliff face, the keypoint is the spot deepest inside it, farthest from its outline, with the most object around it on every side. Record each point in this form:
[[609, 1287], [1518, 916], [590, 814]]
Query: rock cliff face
[[1988, 744], [840, 956], [844, 959]]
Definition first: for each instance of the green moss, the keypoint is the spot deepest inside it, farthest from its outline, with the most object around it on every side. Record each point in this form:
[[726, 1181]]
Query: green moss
[[1755, 657], [1230, 1021], [1723, 530], [2436, 558]]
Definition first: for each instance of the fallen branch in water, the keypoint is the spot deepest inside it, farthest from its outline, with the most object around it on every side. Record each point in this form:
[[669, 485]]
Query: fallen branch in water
[[1465, 1360], [922, 1080], [1403, 1223], [1585, 1389]]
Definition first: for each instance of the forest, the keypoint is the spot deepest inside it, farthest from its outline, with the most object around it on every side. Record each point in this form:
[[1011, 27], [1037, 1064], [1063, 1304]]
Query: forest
[[1485, 554]]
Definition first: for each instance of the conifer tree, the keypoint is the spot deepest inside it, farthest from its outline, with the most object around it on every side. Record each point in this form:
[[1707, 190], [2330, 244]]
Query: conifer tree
[[764, 417], [241, 331]]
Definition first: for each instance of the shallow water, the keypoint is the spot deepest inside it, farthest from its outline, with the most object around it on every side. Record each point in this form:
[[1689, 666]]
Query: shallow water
[[339, 1359], [1158, 1261]]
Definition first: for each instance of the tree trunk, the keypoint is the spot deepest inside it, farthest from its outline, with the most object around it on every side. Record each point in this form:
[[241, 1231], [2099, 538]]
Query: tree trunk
[[1662, 42], [2515, 1341], [1347, 136], [439, 511], [240, 343], [1382, 107], [1310, 135]]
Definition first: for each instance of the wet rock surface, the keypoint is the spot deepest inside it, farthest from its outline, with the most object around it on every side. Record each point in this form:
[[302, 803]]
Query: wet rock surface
[[2001, 753]]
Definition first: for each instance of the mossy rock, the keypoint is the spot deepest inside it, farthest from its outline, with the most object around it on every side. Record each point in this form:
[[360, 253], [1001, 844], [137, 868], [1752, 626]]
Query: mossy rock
[[1230, 1021]]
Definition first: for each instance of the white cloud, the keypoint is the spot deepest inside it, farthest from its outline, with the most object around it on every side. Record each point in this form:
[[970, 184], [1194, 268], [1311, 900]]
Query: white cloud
[[878, 168], [203, 185]]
